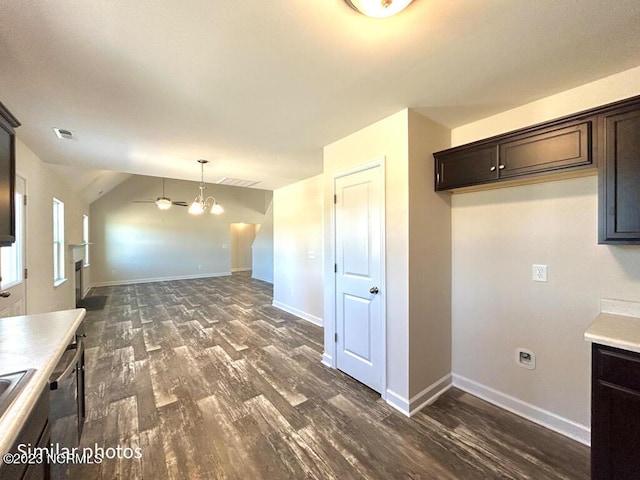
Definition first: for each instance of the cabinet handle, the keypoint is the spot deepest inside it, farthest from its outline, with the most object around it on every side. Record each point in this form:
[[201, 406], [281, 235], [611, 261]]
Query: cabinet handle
[[493, 169], [501, 167]]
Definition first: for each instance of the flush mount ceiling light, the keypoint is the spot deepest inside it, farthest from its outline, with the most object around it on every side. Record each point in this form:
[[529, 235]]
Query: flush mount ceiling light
[[378, 8], [200, 204]]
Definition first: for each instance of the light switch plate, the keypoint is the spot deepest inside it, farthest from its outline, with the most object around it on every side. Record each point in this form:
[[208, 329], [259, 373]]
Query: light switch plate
[[539, 273]]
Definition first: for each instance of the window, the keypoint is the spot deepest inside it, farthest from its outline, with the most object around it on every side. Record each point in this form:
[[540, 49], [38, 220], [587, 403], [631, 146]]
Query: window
[[58, 242], [85, 238], [11, 258]]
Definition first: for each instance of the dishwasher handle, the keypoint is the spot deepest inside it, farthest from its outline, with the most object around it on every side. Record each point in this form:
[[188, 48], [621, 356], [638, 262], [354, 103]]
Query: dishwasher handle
[[79, 347]]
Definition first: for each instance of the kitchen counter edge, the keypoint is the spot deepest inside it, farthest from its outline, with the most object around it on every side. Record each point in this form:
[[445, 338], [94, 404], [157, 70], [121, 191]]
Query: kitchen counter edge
[[56, 332], [618, 331]]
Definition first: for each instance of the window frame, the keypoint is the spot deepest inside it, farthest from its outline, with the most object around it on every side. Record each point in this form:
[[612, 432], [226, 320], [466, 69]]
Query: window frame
[[85, 239], [58, 243]]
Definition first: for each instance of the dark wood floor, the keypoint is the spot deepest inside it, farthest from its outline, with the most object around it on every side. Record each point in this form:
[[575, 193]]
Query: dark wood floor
[[211, 381]]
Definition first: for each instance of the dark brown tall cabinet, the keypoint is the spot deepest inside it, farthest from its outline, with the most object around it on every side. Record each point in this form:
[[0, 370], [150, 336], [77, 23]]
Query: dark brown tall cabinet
[[615, 414], [7, 176], [620, 176]]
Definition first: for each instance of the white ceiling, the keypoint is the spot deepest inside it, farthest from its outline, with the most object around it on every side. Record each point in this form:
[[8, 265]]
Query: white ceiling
[[258, 88]]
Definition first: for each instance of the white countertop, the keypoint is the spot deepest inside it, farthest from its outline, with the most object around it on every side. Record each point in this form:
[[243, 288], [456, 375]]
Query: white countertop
[[619, 331], [32, 341]]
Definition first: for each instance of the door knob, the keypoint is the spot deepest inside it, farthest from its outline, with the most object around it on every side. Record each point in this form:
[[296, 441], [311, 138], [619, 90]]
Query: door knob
[[373, 290], [5, 294]]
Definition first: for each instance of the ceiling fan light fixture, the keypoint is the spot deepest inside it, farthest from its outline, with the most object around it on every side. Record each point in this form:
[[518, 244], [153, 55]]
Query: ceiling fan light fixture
[[163, 203], [378, 8]]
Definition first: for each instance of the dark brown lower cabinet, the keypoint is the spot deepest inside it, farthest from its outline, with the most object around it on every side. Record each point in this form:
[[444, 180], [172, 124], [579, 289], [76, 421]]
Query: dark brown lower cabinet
[[615, 414], [34, 433]]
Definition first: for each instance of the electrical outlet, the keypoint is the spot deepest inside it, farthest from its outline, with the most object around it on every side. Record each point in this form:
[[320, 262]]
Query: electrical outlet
[[539, 273]]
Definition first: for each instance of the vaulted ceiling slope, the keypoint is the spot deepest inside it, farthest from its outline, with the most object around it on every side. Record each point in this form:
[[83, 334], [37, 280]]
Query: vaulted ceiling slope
[[258, 88]]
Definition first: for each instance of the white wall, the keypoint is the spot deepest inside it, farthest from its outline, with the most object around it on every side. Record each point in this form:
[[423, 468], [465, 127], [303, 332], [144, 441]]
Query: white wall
[[262, 249], [497, 236], [417, 244], [138, 242], [429, 264], [298, 249], [386, 138], [42, 185]]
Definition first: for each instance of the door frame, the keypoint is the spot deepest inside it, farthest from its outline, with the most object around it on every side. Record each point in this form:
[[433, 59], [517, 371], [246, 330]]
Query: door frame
[[330, 324], [23, 236]]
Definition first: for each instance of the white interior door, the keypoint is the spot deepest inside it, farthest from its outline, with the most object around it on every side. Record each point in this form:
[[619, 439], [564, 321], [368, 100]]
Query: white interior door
[[359, 226], [13, 261]]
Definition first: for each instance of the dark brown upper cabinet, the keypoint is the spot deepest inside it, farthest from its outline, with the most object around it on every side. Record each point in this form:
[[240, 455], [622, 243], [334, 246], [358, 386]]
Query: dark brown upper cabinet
[[7, 176], [607, 137], [467, 168], [557, 147], [551, 149], [619, 181]]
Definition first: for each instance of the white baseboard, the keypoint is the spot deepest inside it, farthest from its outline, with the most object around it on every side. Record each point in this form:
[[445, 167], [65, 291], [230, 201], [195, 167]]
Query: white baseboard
[[427, 396], [327, 360], [547, 419], [298, 313], [264, 279], [241, 269], [398, 402], [159, 279]]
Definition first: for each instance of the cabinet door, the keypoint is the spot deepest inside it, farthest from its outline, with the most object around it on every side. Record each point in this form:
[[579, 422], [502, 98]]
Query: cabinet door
[[620, 179], [34, 432], [615, 438], [615, 418], [550, 149], [7, 184], [468, 167]]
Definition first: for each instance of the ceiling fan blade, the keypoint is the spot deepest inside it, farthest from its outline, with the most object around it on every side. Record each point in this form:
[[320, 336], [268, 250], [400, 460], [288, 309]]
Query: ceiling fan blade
[[144, 201], [180, 204]]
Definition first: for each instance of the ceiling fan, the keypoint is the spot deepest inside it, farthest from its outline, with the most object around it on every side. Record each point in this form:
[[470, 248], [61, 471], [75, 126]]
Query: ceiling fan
[[163, 202]]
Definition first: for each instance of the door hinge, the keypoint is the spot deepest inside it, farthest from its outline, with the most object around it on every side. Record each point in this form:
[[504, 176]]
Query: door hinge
[[25, 200], [335, 268], [26, 273], [335, 337], [335, 199]]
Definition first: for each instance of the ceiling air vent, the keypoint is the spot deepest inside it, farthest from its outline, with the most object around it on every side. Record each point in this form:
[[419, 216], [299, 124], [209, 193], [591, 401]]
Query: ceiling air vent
[[63, 134], [236, 182]]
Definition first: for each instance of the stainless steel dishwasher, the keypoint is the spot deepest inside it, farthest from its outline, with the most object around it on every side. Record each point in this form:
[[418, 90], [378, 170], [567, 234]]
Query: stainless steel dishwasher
[[67, 407]]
